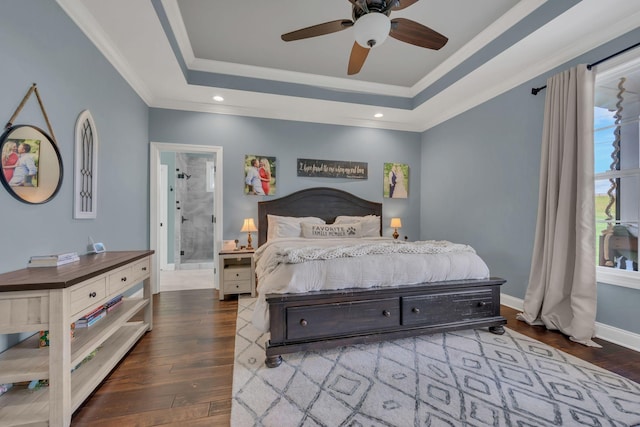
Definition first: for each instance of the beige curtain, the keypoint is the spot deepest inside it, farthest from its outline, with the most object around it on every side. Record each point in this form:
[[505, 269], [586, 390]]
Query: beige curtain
[[562, 283]]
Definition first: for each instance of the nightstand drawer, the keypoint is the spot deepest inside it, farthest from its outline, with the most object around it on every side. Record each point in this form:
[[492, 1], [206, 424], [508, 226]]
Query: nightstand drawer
[[237, 273], [87, 295], [237, 287]]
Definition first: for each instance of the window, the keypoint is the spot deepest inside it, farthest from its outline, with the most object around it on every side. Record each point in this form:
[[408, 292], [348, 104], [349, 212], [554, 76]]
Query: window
[[86, 168], [617, 170]]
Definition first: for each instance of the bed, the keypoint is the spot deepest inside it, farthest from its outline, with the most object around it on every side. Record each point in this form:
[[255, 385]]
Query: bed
[[320, 319]]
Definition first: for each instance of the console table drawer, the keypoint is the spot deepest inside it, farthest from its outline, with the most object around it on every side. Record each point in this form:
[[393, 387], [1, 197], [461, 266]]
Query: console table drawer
[[85, 296], [349, 317], [120, 279], [140, 270], [447, 307]]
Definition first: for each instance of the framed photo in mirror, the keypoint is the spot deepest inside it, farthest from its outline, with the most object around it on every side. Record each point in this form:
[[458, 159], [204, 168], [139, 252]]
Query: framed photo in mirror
[[31, 164]]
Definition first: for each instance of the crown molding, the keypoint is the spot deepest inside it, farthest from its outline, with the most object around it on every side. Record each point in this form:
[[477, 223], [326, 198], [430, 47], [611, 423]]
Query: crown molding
[[95, 33]]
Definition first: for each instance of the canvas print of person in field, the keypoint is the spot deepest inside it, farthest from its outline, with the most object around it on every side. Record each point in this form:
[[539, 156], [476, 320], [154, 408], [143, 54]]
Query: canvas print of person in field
[[259, 175], [396, 180]]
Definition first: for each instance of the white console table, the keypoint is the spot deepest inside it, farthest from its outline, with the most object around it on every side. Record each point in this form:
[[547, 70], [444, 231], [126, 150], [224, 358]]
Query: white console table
[[52, 298]]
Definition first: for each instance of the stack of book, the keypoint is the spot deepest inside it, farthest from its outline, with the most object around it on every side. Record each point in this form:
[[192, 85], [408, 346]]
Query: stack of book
[[53, 260], [91, 318], [113, 304]]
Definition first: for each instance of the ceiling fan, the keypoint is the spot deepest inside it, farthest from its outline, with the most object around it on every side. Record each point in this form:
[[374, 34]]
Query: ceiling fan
[[372, 25]]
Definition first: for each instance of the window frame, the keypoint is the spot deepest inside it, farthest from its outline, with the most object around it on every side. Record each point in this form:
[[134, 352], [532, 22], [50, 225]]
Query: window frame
[[618, 67]]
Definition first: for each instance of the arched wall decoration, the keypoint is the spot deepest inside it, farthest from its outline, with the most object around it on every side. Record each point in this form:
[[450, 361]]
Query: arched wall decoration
[[85, 195], [31, 162]]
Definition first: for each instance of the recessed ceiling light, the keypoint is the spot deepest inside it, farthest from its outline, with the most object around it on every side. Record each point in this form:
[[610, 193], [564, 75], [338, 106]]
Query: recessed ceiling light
[[378, 115], [218, 98]]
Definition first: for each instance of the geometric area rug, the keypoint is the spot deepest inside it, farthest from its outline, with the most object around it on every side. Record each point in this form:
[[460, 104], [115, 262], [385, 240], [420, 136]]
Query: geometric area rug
[[464, 378]]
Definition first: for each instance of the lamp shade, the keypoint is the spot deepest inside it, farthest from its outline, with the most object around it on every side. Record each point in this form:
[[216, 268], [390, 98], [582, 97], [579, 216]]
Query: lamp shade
[[248, 226], [372, 29], [395, 223]]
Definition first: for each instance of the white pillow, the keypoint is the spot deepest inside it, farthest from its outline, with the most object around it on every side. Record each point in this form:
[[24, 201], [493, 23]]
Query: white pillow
[[287, 226], [330, 231], [370, 224]]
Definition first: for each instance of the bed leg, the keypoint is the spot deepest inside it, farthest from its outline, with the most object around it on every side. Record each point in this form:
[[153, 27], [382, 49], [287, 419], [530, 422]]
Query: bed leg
[[498, 330], [273, 361]]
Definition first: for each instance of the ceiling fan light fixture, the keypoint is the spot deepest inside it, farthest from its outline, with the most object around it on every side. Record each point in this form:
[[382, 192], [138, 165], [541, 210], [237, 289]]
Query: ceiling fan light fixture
[[372, 29]]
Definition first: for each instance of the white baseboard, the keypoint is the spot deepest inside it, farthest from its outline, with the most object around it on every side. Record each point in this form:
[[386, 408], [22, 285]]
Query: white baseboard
[[612, 334]]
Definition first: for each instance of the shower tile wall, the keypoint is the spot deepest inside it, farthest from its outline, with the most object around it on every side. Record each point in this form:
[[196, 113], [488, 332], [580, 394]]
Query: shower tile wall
[[194, 214]]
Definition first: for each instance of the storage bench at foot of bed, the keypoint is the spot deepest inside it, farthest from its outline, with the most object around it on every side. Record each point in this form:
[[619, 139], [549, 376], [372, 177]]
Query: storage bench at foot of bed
[[325, 319]]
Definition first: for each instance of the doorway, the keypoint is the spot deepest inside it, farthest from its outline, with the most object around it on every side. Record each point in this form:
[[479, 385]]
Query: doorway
[[190, 196]]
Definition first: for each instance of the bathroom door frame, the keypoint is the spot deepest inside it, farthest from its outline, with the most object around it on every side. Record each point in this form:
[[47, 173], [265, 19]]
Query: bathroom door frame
[[155, 230]]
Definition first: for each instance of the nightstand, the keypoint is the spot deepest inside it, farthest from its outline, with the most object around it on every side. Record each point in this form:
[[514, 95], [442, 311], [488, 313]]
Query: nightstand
[[237, 273]]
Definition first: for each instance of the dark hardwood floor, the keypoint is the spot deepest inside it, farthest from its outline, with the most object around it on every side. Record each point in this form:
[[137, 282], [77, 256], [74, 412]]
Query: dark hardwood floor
[[180, 374]]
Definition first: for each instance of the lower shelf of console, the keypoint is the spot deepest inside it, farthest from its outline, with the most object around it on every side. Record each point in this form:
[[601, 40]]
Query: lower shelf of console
[[21, 406]]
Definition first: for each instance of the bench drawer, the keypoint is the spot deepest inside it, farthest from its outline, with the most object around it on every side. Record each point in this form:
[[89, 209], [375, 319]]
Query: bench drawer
[[447, 307], [342, 318]]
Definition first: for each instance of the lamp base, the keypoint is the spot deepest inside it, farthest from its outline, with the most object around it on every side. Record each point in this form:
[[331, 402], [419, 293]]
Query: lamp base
[[395, 234], [249, 241]]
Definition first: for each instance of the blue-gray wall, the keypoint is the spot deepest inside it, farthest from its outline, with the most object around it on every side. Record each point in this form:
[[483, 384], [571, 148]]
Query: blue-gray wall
[[480, 173], [287, 141], [473, 178], [39, 43]]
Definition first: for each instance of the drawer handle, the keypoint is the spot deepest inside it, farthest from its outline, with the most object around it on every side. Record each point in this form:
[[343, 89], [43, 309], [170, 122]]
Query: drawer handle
[[144, 268], [92, 295], [415, 310], [386, 313], [482, 304], [124, 279], [303, 322]]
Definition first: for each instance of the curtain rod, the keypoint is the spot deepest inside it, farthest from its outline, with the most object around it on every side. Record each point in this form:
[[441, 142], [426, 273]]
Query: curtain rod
[[535, 90]]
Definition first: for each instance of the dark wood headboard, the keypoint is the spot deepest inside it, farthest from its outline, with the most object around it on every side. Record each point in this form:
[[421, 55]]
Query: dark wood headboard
[[322, 202]]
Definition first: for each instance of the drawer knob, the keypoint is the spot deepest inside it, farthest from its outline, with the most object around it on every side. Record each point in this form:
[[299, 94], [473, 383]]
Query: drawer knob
[[386, 313], [482, 304], [415, 310], [124, 279], [303, 322], [92, 295]]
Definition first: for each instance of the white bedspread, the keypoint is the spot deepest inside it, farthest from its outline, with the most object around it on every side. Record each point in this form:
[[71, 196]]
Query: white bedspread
[[297, 265]]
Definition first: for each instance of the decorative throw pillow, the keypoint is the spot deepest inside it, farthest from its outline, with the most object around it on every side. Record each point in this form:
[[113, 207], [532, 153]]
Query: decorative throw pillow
[[370, 224], [287, 226], [330, 231]]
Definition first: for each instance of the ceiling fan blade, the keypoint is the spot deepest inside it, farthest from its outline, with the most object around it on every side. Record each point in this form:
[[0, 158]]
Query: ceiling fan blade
[[357, 58], [411, 32], [403, 4], [318, 30]]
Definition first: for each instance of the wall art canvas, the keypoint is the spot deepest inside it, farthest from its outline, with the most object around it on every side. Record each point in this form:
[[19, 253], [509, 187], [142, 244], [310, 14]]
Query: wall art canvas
[[332, 169], [396, 181], [259, 175]]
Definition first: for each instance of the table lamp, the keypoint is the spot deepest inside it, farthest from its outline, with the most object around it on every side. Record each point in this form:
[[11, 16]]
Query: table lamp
[[248, 227], [395, 224]]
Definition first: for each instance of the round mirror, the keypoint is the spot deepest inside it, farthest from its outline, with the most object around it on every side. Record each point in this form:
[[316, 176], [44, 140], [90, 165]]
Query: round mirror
[[31, 164]]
